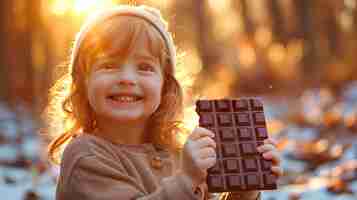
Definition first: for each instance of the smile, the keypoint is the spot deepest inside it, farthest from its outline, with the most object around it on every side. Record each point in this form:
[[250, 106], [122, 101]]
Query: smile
[[125, 99]]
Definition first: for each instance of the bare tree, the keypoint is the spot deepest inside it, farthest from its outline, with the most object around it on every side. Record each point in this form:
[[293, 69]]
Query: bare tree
[[4, 38]]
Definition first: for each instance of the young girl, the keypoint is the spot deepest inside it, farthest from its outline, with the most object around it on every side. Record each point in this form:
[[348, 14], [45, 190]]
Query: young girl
[[123, 106]]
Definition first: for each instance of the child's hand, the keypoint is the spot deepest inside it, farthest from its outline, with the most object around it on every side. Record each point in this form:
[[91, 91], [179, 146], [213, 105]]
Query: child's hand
[[270, 152], [198, 155]]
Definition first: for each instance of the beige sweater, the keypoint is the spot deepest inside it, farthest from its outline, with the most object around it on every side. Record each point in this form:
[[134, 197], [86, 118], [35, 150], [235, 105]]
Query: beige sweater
[[95, 169]]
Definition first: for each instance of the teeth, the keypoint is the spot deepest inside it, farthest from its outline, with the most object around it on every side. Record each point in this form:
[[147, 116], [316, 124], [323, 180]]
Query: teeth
[[124, 98]]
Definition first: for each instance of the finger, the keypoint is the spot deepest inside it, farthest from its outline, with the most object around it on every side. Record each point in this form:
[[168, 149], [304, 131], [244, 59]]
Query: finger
[[273, 156], [271, 141], [204, 164], [266, 147], [199, 132], [206, 153], [278, 171], [205, 142]]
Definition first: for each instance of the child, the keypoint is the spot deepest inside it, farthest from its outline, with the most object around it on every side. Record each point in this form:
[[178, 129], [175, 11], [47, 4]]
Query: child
[[123, 109]]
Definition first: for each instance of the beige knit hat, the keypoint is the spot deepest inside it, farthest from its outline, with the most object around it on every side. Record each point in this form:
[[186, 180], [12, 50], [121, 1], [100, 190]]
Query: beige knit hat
[[149, 14]]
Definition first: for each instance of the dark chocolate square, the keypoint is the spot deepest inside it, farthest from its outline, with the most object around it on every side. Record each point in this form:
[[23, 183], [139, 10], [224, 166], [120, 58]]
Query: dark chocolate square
[[231, 165], [204, 105], [227, 134], [240, 105], [259, 118], [252, 181], [261, 133], [223, 105], [245, 134], [207, 120], [269, 180], [250, 165], [242, 119], [266, 164], [229, 150], [215, 182], [234, 182], [224, 119], [248, 149], [257, 105]]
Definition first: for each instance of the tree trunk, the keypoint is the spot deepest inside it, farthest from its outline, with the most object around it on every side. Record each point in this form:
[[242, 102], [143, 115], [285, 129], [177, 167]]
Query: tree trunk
[[304, 12], [277, 21], [205, 40], [5, 8], [248, 23]]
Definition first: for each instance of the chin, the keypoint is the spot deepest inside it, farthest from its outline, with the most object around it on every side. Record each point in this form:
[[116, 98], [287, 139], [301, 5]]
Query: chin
[[126, 118]]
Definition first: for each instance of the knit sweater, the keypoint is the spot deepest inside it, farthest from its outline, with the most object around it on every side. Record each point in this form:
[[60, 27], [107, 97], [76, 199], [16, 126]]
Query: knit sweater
[[93, 168]]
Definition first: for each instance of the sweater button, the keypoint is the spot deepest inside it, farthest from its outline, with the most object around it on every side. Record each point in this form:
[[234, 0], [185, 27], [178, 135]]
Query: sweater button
[[156, 162]]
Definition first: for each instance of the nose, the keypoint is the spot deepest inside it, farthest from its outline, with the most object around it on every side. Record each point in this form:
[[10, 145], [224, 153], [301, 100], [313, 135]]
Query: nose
[[127, 76]]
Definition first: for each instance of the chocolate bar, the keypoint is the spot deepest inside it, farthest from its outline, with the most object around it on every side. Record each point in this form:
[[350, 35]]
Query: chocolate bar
[[240, 127]]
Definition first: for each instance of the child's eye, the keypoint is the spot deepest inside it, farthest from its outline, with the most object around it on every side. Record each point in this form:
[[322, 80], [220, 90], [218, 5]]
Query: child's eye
[[108, 66], [146, 67]]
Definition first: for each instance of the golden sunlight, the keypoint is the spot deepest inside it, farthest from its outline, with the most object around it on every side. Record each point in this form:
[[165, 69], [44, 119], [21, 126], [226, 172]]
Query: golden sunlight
[[346, 21], [277, 53], [82, 6], [246, 55], [164, 4], [61, 7], [294, 52], [219, 6], [350, 4], [263, 36], [191, 117], [190, 122]]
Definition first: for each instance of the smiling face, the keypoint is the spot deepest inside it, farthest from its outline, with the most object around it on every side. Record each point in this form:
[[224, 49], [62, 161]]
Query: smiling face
[[126, 78]]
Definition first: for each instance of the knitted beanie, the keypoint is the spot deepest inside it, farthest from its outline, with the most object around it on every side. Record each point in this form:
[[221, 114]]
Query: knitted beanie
[[149, 14]]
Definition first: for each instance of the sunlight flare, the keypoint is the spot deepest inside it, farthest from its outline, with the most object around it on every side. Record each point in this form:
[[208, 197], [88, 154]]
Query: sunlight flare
[[83, 6], [61, 7]]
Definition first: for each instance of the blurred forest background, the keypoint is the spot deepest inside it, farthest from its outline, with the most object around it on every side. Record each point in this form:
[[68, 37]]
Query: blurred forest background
[[300, 55], [255, 46]]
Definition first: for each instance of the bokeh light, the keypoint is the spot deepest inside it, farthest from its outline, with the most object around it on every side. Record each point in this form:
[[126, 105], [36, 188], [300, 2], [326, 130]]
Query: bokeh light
[[246, 55], [346, 21], [263, 37], [277, 53], [162, 4], [294, 52], [61, 7], [219, 6], [82, 6], [350, 4]]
